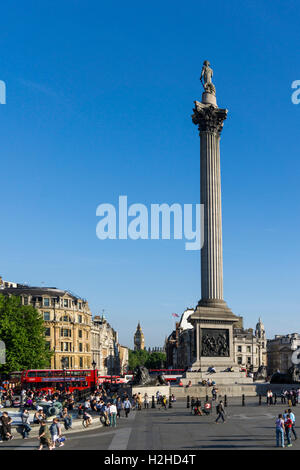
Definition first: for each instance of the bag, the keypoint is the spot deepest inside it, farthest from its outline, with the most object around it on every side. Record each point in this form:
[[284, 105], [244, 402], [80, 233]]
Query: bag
[[218, 408], [61, 439]]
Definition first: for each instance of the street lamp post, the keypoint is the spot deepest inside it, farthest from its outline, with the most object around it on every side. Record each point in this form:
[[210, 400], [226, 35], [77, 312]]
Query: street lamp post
[[64, 364], [94, 367], [111, 365]]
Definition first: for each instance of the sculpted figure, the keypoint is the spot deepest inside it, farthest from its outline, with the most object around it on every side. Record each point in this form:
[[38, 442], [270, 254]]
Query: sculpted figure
[[207, 74]]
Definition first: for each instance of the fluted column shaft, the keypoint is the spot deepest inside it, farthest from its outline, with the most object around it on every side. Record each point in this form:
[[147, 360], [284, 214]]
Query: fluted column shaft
[[210, 119], [210, 197]]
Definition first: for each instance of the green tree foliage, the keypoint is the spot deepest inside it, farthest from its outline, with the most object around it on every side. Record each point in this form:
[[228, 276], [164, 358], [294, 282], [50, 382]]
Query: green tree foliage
[[23, 332], [155, 360]]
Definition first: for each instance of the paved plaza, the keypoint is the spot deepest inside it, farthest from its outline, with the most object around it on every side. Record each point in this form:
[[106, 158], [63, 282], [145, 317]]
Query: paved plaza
[[247, 427]]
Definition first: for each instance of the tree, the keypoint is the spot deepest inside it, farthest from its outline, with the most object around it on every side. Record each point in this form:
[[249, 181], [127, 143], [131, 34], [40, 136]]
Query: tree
[[156, 360], [137, 358], [23, 332]]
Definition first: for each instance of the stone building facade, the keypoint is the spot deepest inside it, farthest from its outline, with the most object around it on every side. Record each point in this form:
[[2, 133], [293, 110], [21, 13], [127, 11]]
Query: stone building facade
[[67, 320], [250, 347], [280, 351], [179, 345], [108, 354]]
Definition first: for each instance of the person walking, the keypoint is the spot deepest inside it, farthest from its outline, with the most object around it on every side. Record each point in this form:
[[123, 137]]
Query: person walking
[[67, 418], [293, 418], [288, 430], [55, 431], [119, 406], [44, 436], [280, 431], [220, 411], [6, 426], [146, 401], [25, 418], [127, 407], [113, 415]]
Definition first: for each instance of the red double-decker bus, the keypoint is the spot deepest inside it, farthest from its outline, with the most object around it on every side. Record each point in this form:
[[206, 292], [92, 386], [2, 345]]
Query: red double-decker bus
[[50, 379]]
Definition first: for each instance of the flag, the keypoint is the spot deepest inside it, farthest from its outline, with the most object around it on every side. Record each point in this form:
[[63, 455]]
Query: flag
[[175, 315]]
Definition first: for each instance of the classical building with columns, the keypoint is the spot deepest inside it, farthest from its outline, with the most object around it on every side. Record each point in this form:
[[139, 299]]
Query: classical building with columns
[[67, 319]]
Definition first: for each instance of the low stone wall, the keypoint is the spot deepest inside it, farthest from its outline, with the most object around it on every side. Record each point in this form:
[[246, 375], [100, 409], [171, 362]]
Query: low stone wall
[[152, 390]]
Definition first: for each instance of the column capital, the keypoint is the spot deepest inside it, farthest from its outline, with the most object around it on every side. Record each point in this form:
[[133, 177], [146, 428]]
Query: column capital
[[209, 118]]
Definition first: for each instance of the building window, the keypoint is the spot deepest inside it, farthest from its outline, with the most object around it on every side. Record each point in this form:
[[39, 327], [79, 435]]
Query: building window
[[80, 347], [239, 348], [48, 345], [240, 360], [66, 347], [248, 348], [66, 303], [79, 305], [80, 362], [46, 302], [47, 316], [248, 360], [80, 333], [47, 332], [65, 332], [79, 318], [25, 300]]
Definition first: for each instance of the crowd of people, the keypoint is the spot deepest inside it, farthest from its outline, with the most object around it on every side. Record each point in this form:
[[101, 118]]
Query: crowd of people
[[291, 397], [285, 426], [107, 403]]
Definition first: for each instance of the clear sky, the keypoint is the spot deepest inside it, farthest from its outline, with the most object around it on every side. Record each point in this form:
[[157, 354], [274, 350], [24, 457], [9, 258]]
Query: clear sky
[[99, 103]]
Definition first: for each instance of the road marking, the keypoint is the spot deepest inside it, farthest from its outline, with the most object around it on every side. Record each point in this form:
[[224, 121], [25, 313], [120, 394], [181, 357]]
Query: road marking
[[121, 438]]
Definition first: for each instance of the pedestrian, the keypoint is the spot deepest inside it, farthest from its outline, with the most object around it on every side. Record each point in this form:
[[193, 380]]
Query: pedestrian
[[67, 419], [113, 415], [127, 407], [288, 429], [139, 401], [56, 435], [280, 431], [220, 412], [6, 426], [25, 418], [163, 402], [146, 401], [119, 406], [214, 393], [293, 418], [44, 436]]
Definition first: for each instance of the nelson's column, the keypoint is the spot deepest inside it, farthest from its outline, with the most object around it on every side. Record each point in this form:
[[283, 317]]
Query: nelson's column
[[212, 319]]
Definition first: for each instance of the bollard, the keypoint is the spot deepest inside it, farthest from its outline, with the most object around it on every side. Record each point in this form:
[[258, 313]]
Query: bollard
[[275, 398], [225, 401], [243, 400], [188, 401], [170, 402], [206, 398], [259, 400], [153, 402]]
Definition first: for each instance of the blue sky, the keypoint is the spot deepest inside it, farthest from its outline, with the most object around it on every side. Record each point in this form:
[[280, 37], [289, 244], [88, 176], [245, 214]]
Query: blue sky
[[99, 104]]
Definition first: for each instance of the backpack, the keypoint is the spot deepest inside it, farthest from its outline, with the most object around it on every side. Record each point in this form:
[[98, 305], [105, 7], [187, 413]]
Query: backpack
[[218, 409]]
